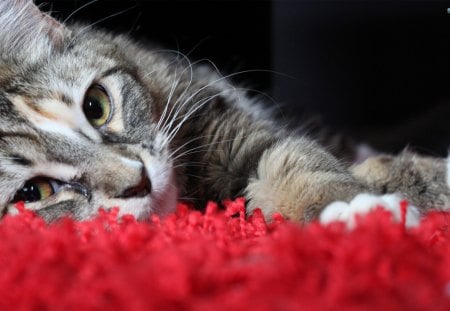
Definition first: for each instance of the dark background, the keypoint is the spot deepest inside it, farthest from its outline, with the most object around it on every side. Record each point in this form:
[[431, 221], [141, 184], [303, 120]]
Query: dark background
[[374, 70]]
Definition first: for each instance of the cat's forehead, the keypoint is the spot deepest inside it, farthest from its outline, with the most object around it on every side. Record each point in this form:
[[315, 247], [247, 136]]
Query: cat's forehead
[[56, 74]]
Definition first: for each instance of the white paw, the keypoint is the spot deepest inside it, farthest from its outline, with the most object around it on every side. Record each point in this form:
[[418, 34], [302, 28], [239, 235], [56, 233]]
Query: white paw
[[364, 203]]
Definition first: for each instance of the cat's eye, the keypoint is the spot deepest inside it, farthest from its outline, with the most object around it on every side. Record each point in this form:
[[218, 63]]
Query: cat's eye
[[35, 189], [97, 105]]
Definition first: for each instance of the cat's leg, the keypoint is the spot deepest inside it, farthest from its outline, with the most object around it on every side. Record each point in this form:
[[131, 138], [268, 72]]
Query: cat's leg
[[419, 180], [230, 151], [275, 171], [422, 180], [297, 178]]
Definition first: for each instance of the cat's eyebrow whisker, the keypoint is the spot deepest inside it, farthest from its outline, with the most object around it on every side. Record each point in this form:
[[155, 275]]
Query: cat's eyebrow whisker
[[198, 44], [191, 73], [135, 23], [227, 77], [78, 10], [84, 29], [178, 53]]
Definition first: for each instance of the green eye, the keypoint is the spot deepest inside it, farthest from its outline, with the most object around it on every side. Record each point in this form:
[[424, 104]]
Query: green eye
[[34, 190], [97, 105]]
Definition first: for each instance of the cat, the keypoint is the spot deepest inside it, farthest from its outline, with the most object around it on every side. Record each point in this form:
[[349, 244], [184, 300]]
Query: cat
[[91, 119]]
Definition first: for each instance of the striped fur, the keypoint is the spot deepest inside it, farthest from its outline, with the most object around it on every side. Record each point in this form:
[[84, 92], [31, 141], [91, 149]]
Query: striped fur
[[186, 129]]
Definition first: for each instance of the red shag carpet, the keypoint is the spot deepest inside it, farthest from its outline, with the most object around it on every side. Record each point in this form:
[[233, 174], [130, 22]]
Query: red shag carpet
[[219, 260]]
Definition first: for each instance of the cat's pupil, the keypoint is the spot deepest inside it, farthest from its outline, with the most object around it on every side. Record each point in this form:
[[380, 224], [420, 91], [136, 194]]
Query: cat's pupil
[[34, 190], [93, 108], [29, 193], [97, 105]]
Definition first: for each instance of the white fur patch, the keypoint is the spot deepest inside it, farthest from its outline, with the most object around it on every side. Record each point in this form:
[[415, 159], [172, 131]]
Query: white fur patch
[[54, 170], [57, 128], [56, 117], [364, 203], [363, 152], [131, 163], [448, 171]]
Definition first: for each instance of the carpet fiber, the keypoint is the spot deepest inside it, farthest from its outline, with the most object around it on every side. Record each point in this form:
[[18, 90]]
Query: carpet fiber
[[219, 260]]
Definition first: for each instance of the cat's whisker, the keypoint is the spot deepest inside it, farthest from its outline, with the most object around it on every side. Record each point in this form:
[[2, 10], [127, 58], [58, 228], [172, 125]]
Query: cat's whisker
[[190, 67], [179, 109], [204, 146], [186, 101], [189, 164], [195, 176], [185, 198], [195, 108], [185, 117], [187, 143], [190, 152], [172, 90], [174, 132], [174, 119], [189, 84], [175, 84]]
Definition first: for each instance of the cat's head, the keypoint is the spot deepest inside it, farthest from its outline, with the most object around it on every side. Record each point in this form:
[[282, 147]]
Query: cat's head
[[79, 119]]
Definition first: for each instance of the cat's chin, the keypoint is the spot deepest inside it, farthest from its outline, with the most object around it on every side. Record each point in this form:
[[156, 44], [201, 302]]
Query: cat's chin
[[143, 208], [140, 208]]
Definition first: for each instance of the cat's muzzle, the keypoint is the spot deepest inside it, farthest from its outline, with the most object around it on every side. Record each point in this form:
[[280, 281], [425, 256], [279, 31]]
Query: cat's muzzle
[[141, 189]]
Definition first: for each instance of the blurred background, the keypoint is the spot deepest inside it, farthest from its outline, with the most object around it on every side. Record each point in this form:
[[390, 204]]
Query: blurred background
[[376, 71]]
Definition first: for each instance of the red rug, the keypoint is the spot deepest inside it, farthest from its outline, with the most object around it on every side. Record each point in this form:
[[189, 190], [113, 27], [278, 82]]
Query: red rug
[[221, 261]]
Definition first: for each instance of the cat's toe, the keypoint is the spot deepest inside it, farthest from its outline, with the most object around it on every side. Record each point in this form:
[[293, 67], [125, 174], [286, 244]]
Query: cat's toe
[[364, 203]]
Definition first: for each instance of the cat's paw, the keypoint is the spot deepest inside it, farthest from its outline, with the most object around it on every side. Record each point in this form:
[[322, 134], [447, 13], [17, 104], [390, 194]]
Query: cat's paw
[[364, 203]]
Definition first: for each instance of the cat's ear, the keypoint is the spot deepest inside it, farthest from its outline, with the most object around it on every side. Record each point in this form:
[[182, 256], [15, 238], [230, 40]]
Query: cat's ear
[[24, 29]]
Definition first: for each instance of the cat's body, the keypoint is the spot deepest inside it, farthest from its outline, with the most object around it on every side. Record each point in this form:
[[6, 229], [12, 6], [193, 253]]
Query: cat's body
[[92, 120]]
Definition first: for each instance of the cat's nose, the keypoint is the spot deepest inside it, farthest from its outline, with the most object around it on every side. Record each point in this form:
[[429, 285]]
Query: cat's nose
[[139, 190]]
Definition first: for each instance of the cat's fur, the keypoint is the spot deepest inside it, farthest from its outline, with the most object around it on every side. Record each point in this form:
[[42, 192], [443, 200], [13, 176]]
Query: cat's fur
[[182, 127]]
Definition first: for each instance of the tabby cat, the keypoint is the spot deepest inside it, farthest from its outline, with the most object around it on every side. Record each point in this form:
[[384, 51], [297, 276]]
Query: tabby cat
[[90, 120]]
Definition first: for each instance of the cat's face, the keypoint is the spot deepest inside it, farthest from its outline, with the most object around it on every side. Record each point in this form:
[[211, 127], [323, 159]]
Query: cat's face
[[79, 120]]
